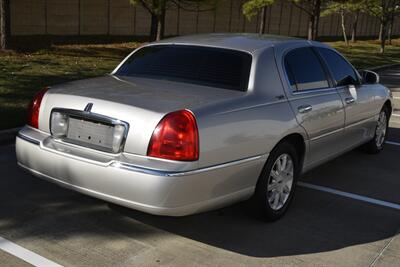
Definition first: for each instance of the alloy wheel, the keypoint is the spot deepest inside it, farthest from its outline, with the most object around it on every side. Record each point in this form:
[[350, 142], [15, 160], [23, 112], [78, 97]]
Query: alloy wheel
[[280, 182], [381, 129]]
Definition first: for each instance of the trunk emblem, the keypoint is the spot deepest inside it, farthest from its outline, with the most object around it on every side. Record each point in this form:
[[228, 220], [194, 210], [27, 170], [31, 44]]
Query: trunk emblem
[[88, 107]]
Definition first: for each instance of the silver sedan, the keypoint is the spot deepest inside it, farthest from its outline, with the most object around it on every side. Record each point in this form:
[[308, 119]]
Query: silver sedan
[[194, 123]]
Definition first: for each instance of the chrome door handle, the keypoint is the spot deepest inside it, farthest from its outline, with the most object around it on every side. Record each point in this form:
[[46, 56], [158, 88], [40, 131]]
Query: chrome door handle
[[350, 100], [304, 109]]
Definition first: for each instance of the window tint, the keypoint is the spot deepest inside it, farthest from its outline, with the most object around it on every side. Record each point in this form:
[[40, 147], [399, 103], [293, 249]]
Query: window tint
[[343, 73], [217, 67], [304, 70]]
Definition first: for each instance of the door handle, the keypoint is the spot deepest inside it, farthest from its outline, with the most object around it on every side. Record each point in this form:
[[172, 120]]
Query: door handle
[[304, 108], [350, 100]]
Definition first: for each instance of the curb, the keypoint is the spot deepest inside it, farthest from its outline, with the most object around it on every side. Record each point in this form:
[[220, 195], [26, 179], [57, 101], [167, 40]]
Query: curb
[[8, 136], [383, 67], [396, 100]]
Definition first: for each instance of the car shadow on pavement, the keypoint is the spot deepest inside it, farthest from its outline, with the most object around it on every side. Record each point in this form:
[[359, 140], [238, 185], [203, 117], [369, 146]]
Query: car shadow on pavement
[[394, 133], [316, 222]]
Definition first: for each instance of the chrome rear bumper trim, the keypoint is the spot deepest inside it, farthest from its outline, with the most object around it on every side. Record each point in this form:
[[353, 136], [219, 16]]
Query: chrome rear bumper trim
[[134, 168], [28, 139]]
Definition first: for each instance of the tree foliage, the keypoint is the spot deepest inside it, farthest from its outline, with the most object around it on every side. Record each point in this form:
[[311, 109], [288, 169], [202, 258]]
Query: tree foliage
[[343, 8], [384, 11], [349, 6], [253, 7]]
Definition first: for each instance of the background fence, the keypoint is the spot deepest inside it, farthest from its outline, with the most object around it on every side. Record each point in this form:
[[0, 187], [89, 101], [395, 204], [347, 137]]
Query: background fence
[[118, 17]]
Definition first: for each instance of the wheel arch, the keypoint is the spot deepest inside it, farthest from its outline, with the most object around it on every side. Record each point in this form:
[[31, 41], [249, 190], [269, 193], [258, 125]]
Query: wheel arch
[[388, 105], [298, 142]]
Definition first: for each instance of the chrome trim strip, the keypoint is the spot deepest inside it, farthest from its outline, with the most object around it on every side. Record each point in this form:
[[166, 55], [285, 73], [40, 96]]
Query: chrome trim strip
[[134, 168], [316, 90], [360, 122], [254, 106], [28, 139], [345, 128], [327, 134]]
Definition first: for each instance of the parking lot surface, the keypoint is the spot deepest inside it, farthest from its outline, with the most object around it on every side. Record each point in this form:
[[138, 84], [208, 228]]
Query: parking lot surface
[[322, 227]]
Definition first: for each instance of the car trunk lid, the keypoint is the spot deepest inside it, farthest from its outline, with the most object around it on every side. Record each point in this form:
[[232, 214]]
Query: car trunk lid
[[140, 102]]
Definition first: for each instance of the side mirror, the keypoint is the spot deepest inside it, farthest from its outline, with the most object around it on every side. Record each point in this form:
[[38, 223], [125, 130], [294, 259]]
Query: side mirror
[[348, 80], [369, 77]]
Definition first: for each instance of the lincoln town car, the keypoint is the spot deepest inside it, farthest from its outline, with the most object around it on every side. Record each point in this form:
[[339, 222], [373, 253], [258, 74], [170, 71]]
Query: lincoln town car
[[194, 123]]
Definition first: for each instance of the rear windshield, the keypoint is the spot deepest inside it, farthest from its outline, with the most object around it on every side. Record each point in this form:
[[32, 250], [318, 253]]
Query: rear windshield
[[223, 68]]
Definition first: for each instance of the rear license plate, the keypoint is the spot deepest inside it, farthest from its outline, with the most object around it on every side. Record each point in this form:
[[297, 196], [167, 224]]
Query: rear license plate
[[92, 134]]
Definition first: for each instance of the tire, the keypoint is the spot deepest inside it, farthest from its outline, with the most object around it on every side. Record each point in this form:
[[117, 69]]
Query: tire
[[268, 206], [376, 144]]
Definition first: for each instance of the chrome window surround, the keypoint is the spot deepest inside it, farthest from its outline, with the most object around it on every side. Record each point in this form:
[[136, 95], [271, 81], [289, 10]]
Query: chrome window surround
[[314, 90], [329, 69], [93, 117], [251, 72]]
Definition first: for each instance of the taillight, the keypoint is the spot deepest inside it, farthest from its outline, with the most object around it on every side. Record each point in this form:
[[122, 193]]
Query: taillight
[[34, 108], [176, 137]]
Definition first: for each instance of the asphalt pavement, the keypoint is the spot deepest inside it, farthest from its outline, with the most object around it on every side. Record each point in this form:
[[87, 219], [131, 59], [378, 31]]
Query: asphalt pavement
[[345, 213]]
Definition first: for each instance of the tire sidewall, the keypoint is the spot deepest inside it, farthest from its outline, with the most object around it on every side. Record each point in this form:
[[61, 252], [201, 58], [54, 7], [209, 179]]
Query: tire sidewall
[[387, 128], [260, 195]]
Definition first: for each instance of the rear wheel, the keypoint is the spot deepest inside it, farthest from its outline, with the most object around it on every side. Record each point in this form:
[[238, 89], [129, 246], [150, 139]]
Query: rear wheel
[[376, 144], [276, 185]]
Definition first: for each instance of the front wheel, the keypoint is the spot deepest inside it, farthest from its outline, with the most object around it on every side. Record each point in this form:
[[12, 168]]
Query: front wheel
[[276, 185], [376, 144]]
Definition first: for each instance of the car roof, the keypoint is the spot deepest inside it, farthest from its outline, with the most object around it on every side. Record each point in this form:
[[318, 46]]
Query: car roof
[[248, 42]]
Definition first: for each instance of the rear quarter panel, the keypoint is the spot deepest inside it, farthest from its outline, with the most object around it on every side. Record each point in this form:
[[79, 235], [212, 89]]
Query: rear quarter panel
[[382, 94]]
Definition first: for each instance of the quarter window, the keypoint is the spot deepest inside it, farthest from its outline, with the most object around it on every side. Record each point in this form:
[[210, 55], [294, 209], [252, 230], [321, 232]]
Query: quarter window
[[304, 70], [343, 73]]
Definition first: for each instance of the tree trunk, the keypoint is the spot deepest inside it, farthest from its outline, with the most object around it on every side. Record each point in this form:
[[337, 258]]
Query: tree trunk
[[311, 22], [389, 35], [160, 20], [344, 27], [262, 21], [390, 30], [317, 15], [160, 27], [4, 23], [153, 27], [380, 38], [383, 37], [354, 27]]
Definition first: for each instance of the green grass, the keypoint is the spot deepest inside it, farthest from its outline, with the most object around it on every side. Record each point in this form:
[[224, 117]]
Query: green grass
[[23, 74], [364, 54]]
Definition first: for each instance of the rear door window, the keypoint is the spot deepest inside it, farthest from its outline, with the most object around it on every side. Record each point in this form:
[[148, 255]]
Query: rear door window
[[216, 67], [304, 70], [343, 73]]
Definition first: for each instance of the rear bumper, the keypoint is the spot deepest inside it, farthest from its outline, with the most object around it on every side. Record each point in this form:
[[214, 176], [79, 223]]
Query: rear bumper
[[174, 193]]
